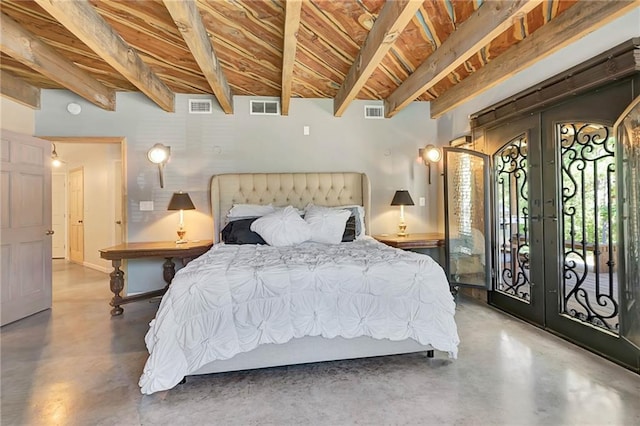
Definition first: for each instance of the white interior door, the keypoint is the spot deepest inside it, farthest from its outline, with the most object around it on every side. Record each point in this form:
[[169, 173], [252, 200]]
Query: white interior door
[[76, 216], [25, 219], [58, 216]]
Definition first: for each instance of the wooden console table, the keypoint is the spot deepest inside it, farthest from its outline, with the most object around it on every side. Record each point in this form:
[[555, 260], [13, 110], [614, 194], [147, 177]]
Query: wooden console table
[[166, 249]]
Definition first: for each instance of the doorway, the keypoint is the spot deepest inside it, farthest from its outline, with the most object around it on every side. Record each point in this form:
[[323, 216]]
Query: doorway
[[556, 221], [95, 207]]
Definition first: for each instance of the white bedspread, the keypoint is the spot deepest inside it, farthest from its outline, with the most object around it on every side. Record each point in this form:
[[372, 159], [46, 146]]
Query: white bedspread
[[236, 297]]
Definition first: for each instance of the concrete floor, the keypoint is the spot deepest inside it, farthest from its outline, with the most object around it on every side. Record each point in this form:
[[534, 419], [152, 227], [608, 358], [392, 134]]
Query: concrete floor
[[75, 365]]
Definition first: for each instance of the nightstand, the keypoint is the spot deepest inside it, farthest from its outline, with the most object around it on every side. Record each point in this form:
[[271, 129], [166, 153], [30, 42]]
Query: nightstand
[[412, 241], [430, 243]]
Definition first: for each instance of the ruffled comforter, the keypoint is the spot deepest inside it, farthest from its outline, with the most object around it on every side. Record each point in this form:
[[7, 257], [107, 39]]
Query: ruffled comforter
[[236, 297]]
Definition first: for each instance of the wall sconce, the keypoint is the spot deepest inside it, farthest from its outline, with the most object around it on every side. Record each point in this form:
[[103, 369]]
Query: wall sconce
[[55, 160], [159, 154], [429, 154], [402, 198], [181, 201]]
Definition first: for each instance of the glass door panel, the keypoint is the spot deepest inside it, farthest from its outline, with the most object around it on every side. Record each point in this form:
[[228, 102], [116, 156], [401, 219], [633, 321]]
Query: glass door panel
[[589, 284], [467, 232], [510, 168], [627, 132]]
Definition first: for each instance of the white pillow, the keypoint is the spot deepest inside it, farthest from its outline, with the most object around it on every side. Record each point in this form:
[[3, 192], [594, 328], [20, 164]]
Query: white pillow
[[356, 210], [243, 211], [327, 224], [282, 228]]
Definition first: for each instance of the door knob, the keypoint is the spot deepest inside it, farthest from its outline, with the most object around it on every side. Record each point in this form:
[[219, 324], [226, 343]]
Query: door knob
[[118, 222], [50, 232]]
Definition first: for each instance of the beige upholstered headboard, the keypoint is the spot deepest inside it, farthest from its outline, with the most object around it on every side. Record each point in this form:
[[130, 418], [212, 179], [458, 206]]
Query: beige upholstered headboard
[[283, 189]]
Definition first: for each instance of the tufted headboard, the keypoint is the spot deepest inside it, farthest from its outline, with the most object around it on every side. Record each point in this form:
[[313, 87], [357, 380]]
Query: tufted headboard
[[283, 189]]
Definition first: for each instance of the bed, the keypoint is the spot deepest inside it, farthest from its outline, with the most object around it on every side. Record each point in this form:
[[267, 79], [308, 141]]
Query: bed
[[250, 306]]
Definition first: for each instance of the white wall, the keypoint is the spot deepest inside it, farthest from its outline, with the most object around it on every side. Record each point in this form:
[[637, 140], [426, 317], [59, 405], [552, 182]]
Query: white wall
[[97, 161], [204, 145], [16, 117]]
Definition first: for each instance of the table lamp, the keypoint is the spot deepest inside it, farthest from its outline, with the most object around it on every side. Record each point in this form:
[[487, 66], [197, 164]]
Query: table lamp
[[402, 198], [181, 201]]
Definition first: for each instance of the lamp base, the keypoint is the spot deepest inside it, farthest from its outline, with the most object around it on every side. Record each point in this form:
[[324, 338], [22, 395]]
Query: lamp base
[[402, 230], [181, 239]]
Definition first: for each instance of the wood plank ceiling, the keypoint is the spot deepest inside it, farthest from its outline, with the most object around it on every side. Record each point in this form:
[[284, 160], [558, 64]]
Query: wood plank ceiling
[[397, 51]]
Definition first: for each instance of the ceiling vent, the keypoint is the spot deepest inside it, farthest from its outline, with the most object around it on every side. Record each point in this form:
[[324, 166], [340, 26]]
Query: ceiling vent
[[374, 111], [265, 107], [200, 106]]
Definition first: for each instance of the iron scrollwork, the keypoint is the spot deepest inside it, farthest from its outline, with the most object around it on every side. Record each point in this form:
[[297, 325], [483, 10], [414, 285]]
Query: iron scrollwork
[[589, 225], [512, 203]]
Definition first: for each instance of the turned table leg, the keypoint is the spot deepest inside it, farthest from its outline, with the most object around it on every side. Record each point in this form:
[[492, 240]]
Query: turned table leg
[[117, 284]]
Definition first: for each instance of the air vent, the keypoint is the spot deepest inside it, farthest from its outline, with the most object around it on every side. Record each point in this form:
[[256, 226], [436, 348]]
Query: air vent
[[200, 106], [265, 107], [374, 111]]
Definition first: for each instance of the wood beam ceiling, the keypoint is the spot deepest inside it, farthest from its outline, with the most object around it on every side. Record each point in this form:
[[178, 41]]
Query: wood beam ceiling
[[291, 25], [393, 18], [187, 18], [19, 90], [574, 23], [489, 21], [28, 49], [81, 19]]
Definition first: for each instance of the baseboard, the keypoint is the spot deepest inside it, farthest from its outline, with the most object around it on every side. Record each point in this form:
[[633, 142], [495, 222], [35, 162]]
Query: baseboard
[[96, 267]]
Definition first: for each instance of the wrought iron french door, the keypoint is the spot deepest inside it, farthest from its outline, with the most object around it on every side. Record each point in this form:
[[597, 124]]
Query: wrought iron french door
[[517, 219], [583, 287], [560, 217]]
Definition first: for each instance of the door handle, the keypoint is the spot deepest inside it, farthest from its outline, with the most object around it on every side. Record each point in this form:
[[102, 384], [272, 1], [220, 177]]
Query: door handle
[[50, 232], [80, 221], [118, 222]]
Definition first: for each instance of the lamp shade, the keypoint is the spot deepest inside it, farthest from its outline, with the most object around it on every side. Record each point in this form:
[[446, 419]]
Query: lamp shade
[[402, 198], [180, 201]]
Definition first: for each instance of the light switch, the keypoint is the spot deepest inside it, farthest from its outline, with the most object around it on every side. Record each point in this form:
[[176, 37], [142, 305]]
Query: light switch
[[305, 130], [146, 206], [422, 201]]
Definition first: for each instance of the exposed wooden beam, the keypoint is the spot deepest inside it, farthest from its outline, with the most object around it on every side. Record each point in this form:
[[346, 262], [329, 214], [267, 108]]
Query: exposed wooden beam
[[574, 23], [28, 49], [19, 90], [187, 18], [80, 17], [291, 25], [486, 23], [394, 16]]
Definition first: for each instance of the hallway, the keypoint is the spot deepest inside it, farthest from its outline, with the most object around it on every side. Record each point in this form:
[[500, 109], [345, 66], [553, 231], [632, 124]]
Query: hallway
[[75, 365]]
